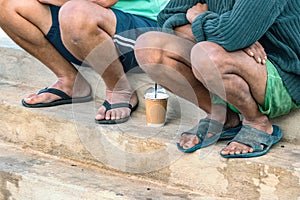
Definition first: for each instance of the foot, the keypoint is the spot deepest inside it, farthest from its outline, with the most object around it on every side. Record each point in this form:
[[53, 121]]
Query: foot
[[239, 148], [114, 97], [64, 84], [187, 141]]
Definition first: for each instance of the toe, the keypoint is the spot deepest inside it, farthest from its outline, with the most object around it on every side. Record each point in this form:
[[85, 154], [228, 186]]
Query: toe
[[182, 139], [29, 98], [101, 113], [119, 114], [187, 145], [245, 151], [224, 151], [229, 149], [188, 141], [110, 115]]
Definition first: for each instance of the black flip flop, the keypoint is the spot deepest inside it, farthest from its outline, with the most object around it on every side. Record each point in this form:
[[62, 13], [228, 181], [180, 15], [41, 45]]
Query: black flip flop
[[219, 131], [260, 141], [65, 99], [109, 106]]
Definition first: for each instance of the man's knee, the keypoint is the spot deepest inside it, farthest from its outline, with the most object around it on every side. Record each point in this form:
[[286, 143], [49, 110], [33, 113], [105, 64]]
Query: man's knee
[[16, 5], [9, 6], [5, 4], [208, 59], [149, 50], [212, 51], [151, 39], [72, 17], [2, 3], [77, 21]]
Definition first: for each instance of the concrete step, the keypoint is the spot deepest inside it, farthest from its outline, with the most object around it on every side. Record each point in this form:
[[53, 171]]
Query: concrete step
[[25, 174], [132, 148]]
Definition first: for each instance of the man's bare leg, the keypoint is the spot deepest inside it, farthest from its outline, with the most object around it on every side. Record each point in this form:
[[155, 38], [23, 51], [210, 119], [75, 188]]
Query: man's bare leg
[[27, 29], [87, 29], [244, 81], [169, 65]]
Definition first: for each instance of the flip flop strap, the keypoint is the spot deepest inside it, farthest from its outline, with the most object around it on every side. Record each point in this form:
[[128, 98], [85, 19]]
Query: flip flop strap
[[109, 106], [206, 126], [57, 92], [254, 138]]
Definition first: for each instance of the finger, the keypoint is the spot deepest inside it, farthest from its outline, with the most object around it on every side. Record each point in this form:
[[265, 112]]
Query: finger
[[261, 52], [258, 53], [259, 60], [249, 52]]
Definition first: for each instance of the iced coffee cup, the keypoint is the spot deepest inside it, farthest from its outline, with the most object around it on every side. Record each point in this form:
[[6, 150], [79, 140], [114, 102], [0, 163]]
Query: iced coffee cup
[[156, 107]]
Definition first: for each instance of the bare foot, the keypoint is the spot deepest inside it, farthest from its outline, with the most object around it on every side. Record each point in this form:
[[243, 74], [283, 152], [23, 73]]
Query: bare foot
[[239, 148], [64, 84], [114, 97], [187, 141]]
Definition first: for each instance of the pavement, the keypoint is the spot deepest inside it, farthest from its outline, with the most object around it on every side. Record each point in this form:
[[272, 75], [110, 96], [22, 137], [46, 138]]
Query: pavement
[[60, 153]]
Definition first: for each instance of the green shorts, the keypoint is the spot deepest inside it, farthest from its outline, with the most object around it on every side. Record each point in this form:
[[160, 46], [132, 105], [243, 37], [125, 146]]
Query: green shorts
[[277, 100]]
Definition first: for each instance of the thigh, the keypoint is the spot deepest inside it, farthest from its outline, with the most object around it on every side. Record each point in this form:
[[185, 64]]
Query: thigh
[[127, 33], [33, 11], [54, 37], [166, 45], [88, 14], [235, 63], [253, 73]]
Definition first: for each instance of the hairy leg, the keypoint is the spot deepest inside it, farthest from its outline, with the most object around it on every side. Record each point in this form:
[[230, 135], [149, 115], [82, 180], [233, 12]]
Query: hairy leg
[[87, 29], [166, 58], [27, 29], [243, 84]]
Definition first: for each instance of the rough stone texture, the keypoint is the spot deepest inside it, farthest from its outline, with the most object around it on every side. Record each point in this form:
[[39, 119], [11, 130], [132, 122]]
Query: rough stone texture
[[25, 175]]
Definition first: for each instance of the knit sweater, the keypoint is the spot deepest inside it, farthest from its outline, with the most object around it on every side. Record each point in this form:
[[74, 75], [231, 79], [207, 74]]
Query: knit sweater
[[237, 24]]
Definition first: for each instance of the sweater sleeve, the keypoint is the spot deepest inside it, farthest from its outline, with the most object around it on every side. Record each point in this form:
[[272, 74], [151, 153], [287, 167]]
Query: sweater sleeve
[[240, 27], [173, 15]]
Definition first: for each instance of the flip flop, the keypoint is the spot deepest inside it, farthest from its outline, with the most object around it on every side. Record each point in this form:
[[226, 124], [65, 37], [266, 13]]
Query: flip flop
[[219, 131], [109, 106], [255, 138], [65, 99]]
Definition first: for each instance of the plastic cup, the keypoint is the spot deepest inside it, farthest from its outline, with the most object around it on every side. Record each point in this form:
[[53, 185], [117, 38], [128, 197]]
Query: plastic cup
[[156, 108]]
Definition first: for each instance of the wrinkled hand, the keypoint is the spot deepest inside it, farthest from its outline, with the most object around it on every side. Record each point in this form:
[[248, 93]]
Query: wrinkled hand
[[257, 51], [104, 3], [194, 11], [185, 31], [53, 2]]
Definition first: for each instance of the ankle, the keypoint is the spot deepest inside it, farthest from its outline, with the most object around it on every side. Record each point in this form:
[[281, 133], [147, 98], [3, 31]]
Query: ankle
[[121, 96], [75, 86], [232, 118], [261, 123]]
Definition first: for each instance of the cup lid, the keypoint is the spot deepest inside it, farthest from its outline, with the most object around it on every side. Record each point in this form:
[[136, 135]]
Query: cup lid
[[158, 96], [161, 93]]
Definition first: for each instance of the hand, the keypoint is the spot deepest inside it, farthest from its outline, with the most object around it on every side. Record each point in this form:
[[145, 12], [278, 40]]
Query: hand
[[194, 11], [185, 31], [53, 2], [257, 51], [104, 3]]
